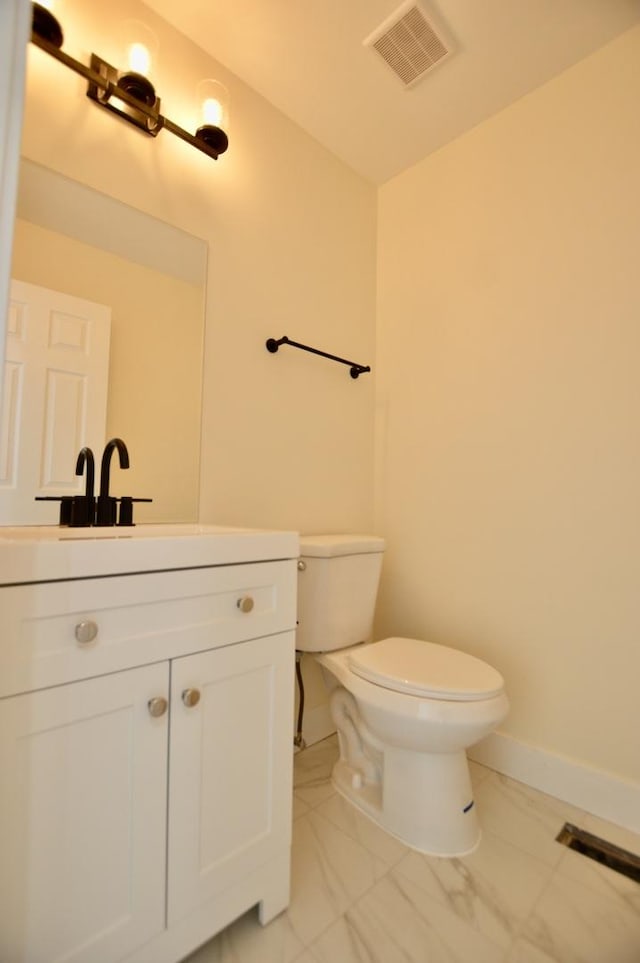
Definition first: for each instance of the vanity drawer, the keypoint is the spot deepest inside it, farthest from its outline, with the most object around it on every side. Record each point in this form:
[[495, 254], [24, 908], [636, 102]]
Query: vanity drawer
[[57, 632]]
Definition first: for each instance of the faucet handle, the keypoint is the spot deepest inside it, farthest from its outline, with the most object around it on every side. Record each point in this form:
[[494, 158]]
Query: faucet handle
[[126, 509], [66, 503]]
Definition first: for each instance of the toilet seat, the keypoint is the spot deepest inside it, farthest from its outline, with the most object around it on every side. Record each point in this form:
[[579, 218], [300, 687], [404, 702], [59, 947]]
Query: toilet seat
[[426, 669]]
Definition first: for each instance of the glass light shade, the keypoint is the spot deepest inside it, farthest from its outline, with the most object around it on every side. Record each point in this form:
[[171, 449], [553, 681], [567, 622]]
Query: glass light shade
[[138, 49], [213, 104]]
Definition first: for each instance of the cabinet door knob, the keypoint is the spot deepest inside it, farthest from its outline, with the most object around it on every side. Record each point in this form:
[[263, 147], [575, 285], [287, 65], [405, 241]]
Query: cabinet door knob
[[191, 697], [86, 631], [157, 706], [245, 604]]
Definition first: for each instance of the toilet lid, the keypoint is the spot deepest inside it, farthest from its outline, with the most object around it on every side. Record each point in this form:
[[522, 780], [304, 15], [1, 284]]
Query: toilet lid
[[426, 669]]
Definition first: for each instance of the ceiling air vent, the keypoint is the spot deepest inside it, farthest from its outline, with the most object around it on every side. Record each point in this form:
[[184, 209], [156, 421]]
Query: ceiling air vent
[[408, 43]]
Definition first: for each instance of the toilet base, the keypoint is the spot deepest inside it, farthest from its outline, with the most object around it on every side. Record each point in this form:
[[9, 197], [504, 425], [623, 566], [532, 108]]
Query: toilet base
[[423, 799]]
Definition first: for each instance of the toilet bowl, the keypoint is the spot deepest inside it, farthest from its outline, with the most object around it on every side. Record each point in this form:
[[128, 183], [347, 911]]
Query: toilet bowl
[[413, 745], [405, 710]]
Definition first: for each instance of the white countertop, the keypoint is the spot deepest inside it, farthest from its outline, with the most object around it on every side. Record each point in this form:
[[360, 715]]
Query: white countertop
[[41, 553]]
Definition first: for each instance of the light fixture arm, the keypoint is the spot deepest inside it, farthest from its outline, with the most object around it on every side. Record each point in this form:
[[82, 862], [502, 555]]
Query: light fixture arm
[[155, 121]]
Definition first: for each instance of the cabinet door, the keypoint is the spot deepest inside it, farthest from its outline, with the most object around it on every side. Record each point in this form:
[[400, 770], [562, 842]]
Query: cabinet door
[[83, 819], [230, 767]]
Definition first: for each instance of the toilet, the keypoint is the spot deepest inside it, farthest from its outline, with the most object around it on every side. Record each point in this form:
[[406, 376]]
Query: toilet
[[405, 710]]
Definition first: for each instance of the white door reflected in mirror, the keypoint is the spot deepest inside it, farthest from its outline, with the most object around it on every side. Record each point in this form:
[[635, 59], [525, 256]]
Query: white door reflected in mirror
[[55, 397]]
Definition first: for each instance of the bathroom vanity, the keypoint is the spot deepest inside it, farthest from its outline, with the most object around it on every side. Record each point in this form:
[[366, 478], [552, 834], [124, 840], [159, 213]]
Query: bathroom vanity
[[146, 705]]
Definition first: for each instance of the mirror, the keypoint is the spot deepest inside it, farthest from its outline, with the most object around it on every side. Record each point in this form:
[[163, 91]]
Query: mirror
[[73, 239]]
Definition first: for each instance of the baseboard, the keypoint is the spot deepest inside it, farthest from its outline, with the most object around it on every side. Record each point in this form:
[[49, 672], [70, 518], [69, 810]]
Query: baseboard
[[594, 790], [317, 724]]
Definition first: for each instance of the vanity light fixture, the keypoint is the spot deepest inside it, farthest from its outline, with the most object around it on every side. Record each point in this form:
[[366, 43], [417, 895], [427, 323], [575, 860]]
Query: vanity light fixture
[[129, 93]]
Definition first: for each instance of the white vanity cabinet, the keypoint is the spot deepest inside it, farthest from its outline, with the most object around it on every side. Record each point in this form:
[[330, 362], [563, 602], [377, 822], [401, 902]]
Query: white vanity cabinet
[[145, 758]]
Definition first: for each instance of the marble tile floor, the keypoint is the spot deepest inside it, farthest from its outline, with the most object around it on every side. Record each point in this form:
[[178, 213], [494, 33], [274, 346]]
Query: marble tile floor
[[360, 896]]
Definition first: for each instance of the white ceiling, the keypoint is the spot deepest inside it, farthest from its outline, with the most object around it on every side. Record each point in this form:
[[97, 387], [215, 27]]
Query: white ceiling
[[307, 58]]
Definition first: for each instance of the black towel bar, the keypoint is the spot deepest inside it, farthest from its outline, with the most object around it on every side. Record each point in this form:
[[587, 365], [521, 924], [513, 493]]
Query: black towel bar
[[356, 369]]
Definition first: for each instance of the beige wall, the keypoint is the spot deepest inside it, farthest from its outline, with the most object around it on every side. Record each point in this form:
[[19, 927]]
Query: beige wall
[[507, 464], [509, 405], [156, 325], [287, 439]]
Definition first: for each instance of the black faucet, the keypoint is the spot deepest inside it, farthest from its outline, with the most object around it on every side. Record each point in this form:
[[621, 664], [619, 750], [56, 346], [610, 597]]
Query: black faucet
[[83, 507], [106, 513], [85, 457]]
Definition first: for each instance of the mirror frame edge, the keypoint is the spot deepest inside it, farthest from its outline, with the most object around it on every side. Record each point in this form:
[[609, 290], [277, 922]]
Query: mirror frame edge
[[15, 24]]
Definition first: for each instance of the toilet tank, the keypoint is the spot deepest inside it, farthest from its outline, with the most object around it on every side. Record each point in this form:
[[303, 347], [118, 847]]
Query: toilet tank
[[337, 586]]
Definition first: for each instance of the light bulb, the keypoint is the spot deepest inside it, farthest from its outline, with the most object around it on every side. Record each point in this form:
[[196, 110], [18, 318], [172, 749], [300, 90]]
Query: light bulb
[[139, 58], [212, 111]]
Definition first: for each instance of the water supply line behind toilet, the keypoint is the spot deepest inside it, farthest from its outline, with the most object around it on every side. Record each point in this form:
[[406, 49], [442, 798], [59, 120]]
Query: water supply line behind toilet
[[298, 740]]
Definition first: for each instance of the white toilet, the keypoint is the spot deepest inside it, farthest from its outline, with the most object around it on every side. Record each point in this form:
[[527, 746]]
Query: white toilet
[[405, 710]]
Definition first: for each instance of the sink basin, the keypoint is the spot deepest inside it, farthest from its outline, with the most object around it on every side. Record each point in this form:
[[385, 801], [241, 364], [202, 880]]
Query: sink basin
[[36, 553]]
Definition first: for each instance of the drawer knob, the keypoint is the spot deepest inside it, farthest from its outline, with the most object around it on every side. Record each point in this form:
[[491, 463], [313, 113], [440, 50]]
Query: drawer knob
[[191, 697], [86, 631], [157, 706], [245, 604]]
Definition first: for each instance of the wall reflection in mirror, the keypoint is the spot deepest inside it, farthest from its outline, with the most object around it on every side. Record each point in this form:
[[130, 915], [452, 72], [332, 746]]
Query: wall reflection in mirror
[[150, 277]]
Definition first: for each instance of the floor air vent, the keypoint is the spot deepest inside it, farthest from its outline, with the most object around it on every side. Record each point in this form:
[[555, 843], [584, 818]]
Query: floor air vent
[[601, 851], [408, 43]]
